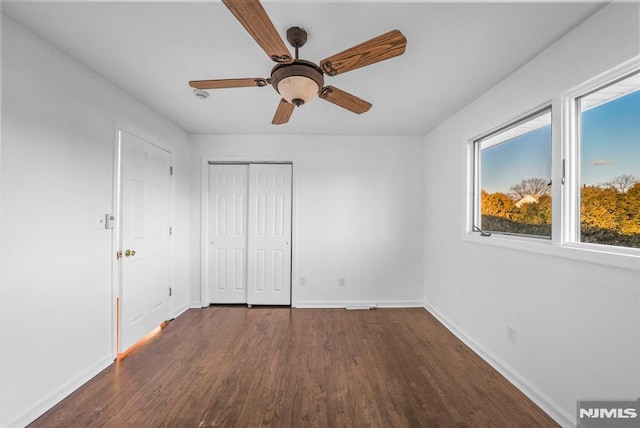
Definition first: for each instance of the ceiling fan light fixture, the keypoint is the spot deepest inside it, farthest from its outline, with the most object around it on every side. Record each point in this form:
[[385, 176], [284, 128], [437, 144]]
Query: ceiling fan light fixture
[[298, 90], [298, 83], [296, 80]]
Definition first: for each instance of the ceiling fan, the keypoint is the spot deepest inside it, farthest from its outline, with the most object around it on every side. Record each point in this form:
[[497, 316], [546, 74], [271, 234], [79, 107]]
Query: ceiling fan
[[297, 80]]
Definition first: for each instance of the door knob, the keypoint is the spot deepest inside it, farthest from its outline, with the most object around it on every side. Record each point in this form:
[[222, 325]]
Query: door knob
[[128, 253]]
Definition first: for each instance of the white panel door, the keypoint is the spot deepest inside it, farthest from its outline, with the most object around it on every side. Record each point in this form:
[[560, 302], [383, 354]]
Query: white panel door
[[144, 224], [269, 235], [228, 186]]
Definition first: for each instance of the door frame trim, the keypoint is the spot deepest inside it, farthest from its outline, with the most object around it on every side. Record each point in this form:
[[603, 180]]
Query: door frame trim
[[204, 214]]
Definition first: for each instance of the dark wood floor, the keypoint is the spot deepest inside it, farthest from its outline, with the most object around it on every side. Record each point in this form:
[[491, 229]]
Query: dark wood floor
[[281, 367]]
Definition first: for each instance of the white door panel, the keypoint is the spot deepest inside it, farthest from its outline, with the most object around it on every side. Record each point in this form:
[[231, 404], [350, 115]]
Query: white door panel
[[144, 225], [228, 233], [269, 235], [250, 234]]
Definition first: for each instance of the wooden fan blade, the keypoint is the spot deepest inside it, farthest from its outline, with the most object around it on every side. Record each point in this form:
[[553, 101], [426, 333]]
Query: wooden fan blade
[[255, 20], [344, 99], [283, 112], [383, 47], [227, 83]]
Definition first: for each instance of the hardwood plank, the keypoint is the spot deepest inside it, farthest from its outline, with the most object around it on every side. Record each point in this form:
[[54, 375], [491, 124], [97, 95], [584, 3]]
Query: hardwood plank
[[281, 367]]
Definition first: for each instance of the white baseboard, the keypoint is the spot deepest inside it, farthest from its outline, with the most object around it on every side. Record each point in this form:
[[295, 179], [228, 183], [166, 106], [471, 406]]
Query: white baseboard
[[180, 311], [549, 406], [319, 304], [58, 395]]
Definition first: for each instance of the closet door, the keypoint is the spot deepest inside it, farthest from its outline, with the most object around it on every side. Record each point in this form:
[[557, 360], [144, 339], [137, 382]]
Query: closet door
[[228, 233], [269, 235]]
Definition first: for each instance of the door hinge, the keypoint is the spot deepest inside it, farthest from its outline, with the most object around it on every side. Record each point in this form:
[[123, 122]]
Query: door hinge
[[170, 230], [170, 291], [170, 170]]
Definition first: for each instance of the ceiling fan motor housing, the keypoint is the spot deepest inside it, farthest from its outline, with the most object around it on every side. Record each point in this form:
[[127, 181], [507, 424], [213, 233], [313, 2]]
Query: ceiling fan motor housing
[[296, 37], [299, 77]]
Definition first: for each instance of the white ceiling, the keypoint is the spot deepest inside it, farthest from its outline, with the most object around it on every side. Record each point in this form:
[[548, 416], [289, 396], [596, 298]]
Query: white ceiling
[[455, 52]]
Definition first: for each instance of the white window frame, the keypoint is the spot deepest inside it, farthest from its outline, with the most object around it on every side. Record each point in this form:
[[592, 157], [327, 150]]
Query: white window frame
[[475, 150], [565, 192], [571, 154]]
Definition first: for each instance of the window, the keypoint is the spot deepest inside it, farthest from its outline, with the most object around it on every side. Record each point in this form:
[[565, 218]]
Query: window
[[513, 178], [594, 160], [609, 165]]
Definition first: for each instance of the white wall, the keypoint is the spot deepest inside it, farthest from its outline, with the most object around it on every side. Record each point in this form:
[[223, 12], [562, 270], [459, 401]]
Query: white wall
[[358, 205], [58, 149], [364, 210], [577, 323]]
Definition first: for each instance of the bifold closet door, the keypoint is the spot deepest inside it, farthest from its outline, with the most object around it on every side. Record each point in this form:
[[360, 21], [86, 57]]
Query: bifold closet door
[[228, 186], [269, 235], [250, 234]]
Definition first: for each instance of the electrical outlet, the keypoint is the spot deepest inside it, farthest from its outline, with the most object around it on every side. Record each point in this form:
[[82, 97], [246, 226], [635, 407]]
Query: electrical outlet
[[511, 334], [302, 281], [342, 281]]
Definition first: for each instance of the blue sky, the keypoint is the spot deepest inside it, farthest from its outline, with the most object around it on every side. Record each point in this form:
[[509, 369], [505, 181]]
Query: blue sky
[[610, 147], [611, 140], [510, 162]]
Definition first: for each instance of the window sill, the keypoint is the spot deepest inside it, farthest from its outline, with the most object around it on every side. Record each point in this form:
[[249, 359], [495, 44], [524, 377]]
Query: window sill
[[588, 253]]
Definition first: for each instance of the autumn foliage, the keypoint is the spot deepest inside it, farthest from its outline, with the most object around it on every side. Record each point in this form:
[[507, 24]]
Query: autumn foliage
[[609, 214], [500, 214]]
